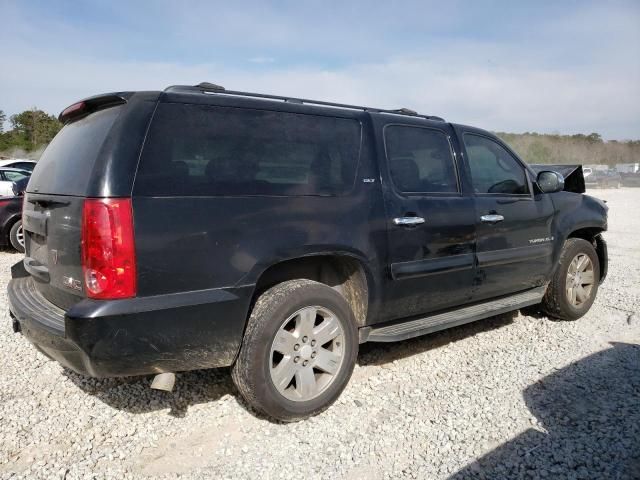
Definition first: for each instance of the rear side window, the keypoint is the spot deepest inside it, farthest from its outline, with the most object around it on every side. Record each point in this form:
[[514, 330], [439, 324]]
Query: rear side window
[[420, 160], [203, 150], [24, 165], [493, 168], [66, 165]]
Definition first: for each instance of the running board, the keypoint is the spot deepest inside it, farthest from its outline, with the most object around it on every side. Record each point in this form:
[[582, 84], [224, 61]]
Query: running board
[[433, 323]]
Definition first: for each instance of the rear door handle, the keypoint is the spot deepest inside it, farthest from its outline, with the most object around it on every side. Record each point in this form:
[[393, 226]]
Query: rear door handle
[[492, 218], [408, 221]]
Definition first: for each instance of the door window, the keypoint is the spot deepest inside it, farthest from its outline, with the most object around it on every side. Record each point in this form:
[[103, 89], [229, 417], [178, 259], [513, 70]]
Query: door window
[[493, 169], [420, 160]]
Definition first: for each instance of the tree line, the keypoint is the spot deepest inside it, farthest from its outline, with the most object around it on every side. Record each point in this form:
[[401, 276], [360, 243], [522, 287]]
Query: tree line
[[571, 149], [30, 131]]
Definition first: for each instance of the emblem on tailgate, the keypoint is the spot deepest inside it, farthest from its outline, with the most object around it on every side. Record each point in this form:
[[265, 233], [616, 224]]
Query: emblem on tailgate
[[72, 283]]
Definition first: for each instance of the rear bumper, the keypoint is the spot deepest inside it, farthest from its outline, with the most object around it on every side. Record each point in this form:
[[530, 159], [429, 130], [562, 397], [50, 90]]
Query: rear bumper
[[137, 336]]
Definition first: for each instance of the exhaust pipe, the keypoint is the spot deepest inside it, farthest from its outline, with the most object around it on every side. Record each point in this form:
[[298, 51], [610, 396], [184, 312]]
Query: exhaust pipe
[[164, 381]]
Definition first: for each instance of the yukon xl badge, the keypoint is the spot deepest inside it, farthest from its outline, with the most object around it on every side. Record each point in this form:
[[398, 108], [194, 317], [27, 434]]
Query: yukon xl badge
[[72, 283], [541, 240]]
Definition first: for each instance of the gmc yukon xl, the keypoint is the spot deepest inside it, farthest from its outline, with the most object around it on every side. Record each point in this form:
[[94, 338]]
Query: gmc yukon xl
[[199, 227]]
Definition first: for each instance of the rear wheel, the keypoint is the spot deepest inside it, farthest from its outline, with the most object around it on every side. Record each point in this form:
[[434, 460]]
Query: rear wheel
[[574, 285], [298, 351], [16, 236]]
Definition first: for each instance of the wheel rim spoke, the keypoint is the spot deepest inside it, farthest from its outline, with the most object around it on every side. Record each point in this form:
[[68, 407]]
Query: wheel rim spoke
[[573, 266], [305, 382], [327, 330], [587, 278], [283, 373], [581, 293], [581, 264], [284, 342], [571, 293], [306, 321], [327, 361]]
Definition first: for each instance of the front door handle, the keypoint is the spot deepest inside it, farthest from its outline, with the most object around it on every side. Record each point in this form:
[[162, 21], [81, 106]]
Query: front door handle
[[408, 221], [492, 218]]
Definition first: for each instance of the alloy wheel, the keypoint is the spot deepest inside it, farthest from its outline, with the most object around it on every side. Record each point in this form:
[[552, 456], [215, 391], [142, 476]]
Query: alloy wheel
[[580, 280], [307, 353]]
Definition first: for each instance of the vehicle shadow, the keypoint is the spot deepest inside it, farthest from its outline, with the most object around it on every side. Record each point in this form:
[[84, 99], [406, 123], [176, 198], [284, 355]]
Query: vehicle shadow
[[590, 424], [134, 395]]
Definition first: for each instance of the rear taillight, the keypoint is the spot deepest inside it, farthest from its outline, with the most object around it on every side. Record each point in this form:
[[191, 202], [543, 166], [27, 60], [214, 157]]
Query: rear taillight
[[108, 252]]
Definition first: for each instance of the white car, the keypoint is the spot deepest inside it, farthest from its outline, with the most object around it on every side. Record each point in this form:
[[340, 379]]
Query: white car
[[11, 179], [21, 163]]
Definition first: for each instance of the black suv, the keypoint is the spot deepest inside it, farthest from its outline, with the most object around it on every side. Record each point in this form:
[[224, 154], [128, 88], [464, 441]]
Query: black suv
[[199, 227]]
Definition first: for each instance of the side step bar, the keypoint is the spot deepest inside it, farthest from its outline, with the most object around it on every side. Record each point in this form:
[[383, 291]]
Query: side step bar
[[433, 323]]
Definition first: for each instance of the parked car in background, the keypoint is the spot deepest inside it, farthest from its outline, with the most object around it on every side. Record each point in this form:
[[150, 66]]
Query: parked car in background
[[13, 181], [603, 179], [11, 233], [630, 179], [20, 163]]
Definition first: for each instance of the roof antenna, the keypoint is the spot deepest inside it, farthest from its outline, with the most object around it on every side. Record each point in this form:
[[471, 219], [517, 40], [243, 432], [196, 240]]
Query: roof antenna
[[210, 86]]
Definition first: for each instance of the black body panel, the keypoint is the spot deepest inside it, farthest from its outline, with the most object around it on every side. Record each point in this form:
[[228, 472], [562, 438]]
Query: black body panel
[[200, 258]]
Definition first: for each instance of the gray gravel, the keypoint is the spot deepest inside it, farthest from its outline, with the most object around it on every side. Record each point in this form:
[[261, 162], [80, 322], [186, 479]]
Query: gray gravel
[[511, 397]]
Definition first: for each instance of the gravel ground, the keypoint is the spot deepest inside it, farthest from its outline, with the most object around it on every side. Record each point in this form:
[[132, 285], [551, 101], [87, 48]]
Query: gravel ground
[[510, 397]]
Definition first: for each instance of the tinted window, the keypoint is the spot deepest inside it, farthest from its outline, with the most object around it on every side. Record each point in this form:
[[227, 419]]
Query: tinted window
[[204, 150], [67, 163], [493, 169], [24, 165], [420, 160]]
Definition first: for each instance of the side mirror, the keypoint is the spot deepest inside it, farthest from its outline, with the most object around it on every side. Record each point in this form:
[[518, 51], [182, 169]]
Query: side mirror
[[550, 182]]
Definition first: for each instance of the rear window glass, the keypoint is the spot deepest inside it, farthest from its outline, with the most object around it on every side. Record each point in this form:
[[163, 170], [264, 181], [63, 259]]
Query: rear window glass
[[202, 150], [66, 165]]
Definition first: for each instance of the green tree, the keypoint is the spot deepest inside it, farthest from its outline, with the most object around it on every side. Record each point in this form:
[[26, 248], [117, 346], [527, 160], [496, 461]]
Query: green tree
[[33, 128]]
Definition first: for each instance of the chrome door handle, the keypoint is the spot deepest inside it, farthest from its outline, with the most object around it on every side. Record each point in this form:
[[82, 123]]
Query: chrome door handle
[[491, 218], [408, 221]]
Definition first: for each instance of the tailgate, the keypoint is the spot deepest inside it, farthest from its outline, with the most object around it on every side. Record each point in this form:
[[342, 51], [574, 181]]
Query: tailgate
[[52, 231], [53, 204]]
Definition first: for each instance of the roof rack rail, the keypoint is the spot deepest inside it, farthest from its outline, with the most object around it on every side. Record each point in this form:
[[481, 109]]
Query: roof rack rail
[[212, 88]]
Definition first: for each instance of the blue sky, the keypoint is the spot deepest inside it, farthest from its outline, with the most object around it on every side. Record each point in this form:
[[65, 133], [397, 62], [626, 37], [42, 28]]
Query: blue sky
[[563, 67]]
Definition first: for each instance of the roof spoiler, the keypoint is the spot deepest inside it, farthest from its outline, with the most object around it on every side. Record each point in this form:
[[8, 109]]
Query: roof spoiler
[[89, 105], [573, 175]]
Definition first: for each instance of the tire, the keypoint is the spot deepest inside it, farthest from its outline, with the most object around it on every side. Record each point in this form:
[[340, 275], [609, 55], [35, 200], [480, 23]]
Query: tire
[[557, 302], [281, 311], [16, 236]]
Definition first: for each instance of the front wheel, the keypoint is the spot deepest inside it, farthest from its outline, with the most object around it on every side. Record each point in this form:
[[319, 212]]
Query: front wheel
[[574, 285], [298, 351]]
